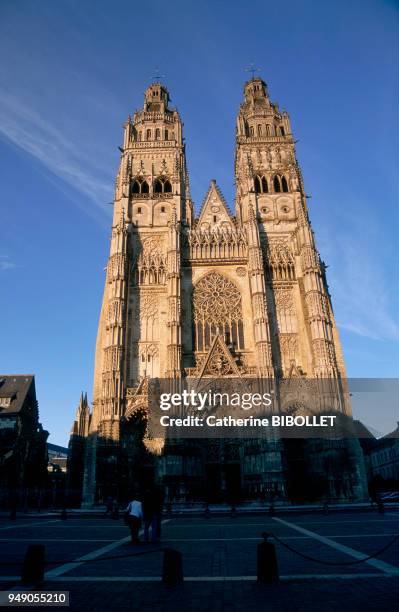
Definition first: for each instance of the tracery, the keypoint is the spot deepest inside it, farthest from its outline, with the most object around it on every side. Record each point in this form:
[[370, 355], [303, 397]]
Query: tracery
[[217, 309]]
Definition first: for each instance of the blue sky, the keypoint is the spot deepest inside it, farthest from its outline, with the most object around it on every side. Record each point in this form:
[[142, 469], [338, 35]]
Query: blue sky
[[71, 72]]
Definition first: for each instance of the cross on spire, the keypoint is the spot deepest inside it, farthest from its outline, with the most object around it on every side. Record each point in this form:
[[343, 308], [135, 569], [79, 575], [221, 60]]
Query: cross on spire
[[158, 76], [251, 68]]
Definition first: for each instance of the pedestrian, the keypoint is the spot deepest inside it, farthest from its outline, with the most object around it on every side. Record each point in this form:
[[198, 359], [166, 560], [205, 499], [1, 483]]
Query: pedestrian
[[134, 515], [149, 517]]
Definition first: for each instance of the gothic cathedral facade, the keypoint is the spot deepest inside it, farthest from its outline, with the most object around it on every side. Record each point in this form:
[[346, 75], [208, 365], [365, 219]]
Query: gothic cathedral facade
[[217, 294]]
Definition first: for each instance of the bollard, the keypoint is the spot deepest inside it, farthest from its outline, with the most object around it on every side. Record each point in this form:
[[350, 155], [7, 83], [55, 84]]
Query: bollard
[[325, 508], [207, 512], [271, 511], [64, 514], [172, 569], [267, 568], [381, 508], [233, 512], [33, 567]]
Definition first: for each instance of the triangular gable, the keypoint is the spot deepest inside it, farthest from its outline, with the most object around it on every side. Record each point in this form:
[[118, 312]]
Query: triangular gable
[[214, 210], [295, 371], [219, 361]]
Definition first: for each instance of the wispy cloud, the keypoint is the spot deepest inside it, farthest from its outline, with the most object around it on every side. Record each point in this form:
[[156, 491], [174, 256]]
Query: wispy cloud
[[30, 131], [6, 263], [361, 283]]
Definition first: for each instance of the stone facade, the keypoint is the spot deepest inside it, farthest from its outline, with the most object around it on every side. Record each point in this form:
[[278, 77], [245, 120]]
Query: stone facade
[[213, 295]]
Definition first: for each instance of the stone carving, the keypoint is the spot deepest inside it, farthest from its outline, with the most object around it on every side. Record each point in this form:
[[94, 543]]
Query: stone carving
[[216, 299], [148, 348], [150, 265], [113, 312], [217, 309], [309, 258], [153, 244], [279, 260], [116, 267], [148, 305], [283, 300], [288, 348], [219, 365], [218, 243]]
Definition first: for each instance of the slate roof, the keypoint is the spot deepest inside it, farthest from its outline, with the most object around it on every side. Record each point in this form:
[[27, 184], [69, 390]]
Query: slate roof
[[18, 388]]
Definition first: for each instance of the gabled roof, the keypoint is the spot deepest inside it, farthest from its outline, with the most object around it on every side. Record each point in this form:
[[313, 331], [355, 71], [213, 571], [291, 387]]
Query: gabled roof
[[214, 204], [14, 391], [362, 431], [393, 434]]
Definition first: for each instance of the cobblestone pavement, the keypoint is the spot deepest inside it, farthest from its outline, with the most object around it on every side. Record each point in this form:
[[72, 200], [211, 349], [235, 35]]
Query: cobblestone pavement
[[219, 562]]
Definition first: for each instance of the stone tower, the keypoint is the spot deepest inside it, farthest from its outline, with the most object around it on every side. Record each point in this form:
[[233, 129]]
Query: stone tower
[[301, 328], [223, 295]]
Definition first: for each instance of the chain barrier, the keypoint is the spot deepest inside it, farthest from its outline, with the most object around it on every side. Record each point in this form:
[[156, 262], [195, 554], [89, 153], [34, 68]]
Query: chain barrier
[[309, 558], [279, 540]]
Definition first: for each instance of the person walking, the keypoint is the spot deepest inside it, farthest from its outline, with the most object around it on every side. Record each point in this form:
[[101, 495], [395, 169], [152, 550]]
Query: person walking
[[134, 515]]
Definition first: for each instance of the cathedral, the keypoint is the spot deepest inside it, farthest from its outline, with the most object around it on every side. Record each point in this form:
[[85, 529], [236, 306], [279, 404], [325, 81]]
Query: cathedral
[[218, 293]]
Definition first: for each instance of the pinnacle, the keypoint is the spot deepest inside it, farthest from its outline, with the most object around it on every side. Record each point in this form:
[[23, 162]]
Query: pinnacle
[[251, 212]]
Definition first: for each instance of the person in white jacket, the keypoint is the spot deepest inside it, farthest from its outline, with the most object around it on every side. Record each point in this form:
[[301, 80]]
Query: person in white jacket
[[134, 515]]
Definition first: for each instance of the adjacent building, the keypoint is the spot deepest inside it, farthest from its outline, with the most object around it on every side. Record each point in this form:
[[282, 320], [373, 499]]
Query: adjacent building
[[23, 450], [384, 457]]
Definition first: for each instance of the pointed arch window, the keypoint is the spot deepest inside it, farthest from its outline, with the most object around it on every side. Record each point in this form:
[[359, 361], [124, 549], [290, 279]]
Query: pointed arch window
[[276, 184], [260, 184], [284, 184], [161, 186], [158, 186], [268, 132], [166, 135], [148, 134], [282, 130], [157, 134], [259, 130], [217, 310], [139, 187]]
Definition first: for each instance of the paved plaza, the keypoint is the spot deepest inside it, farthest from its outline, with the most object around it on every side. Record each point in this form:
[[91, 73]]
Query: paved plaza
[[219, 562]]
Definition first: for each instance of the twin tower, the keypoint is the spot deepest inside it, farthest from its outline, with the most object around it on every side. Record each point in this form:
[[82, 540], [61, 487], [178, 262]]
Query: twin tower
[[213, 295]]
